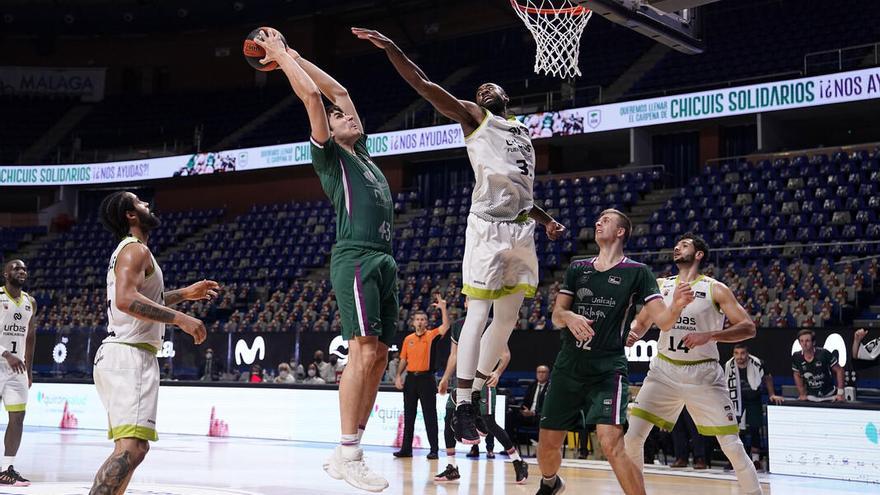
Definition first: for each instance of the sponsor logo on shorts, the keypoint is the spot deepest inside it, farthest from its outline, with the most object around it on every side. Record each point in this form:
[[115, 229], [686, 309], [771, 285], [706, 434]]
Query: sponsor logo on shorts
[[729, 417], [614, 280], [727, 408], [479, 282], [607, 402]]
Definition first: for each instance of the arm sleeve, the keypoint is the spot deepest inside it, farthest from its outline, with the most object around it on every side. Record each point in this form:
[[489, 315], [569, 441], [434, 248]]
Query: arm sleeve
[[325, 157], [648, 289], [569, 282]]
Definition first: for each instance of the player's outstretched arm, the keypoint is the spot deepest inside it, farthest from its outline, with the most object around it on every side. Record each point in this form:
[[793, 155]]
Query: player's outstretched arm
[[131, 265], [206, 289], [30, 342], [304, 87], [665, 316], [466, 113], [328, 86], [741, 325], [553, 228]]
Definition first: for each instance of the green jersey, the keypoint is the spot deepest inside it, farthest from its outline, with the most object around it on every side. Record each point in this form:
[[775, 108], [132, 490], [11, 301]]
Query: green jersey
[[359, 193], [608, 298]]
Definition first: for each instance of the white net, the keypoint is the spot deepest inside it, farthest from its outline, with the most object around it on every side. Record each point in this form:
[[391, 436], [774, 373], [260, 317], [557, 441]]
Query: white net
[[557, 26]]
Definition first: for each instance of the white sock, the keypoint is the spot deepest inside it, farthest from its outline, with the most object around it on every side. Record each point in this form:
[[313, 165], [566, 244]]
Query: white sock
[[549, 481], [8, 460], [349, 445], [514, 455], [742, 466], [361, 432], [450, 459], [469, 345]]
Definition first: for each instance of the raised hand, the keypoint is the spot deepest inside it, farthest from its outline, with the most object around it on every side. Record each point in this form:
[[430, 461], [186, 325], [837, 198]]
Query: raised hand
[[374, 37], [555, 230], [270, 40], [683, 295]]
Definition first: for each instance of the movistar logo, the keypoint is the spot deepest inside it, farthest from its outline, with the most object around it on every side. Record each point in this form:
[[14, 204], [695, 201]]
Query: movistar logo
[[248, 354]]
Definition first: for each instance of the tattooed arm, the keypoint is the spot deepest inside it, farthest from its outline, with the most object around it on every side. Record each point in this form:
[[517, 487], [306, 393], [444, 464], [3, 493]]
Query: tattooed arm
[[131, 266]]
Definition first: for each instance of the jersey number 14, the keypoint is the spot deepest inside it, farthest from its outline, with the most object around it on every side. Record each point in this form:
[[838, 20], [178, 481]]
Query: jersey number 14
[[681, 347]]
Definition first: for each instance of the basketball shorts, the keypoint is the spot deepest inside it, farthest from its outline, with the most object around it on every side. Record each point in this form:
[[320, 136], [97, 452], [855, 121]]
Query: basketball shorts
[[589, 393], [13, 388], [127, 379], [702, 388], [499, 259], [365, 283]]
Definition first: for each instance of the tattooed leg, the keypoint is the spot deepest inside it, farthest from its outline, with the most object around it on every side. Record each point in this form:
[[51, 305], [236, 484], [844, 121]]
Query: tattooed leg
[[113, 477]]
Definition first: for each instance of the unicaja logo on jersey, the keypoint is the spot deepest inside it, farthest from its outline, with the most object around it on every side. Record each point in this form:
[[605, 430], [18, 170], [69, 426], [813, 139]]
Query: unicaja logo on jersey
[[248, 354], [584, 293]]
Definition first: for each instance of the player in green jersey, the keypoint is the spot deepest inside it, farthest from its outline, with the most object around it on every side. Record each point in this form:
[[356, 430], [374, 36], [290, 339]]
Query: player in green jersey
[[589, 384], [362, 269]]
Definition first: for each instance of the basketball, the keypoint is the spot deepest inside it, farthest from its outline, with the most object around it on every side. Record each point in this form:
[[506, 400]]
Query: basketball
[[253, 52]]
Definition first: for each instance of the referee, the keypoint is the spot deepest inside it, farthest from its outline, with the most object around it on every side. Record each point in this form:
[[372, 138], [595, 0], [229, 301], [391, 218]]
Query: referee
[[421, 385]]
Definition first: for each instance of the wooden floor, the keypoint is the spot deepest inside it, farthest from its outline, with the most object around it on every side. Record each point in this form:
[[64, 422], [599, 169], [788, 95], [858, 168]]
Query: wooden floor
[[63, 463]]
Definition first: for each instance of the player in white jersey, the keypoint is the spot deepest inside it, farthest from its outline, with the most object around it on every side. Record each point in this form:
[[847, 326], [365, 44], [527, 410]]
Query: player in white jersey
[[17, 339], [685, 372], [500, 266], [138, 308]]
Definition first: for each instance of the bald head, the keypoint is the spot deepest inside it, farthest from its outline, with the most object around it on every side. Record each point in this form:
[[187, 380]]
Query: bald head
[[542, 374]]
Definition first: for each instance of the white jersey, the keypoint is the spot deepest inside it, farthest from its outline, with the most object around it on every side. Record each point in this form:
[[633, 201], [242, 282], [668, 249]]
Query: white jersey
[[124, 328], [702, 315], [15, 315], [503, 159]]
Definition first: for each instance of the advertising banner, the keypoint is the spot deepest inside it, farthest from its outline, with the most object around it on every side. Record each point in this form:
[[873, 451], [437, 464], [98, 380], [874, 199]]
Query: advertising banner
[[302, 414], [824, 442], [87, 83], [767, 97]]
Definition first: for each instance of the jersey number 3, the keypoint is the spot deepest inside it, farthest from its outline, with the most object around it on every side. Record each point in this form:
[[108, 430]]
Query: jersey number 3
[[523, 167]]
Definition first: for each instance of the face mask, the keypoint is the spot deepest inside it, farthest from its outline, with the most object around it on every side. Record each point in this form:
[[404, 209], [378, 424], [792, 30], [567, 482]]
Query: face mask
[[283, 374], [209, 356], [311, 372]]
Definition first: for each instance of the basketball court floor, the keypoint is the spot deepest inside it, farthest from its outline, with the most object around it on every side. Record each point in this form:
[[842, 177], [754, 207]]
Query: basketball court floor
[[63, 463]]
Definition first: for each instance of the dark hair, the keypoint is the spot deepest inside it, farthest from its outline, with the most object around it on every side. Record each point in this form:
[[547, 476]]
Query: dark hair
[[624, 223], [741, 346], [809, 332], [699, 243], [112, 212]]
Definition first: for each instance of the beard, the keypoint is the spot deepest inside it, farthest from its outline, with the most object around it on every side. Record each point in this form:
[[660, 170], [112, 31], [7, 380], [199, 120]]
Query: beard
[[148, 221], [496, 107], [683, 258]]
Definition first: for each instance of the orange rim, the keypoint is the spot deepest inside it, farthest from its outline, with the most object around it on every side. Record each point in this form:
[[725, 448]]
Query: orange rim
[[578, 10]]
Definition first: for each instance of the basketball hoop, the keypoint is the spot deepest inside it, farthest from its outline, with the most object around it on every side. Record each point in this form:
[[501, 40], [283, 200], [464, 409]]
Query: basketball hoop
[[557, 26]]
